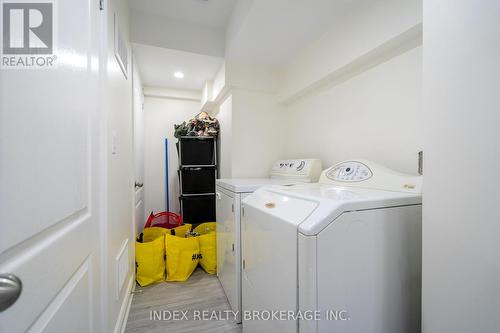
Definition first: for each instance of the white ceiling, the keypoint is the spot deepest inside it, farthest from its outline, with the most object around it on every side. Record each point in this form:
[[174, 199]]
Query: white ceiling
[[157, 67], [211, 13], [269, 32], [273, 32]]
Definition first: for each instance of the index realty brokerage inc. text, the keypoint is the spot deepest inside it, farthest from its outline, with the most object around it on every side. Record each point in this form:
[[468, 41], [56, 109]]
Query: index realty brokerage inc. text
[[265, 315]]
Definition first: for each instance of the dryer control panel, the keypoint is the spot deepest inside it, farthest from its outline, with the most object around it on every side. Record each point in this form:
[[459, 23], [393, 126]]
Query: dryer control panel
[[307, 170], [370, 175], [350, 172]]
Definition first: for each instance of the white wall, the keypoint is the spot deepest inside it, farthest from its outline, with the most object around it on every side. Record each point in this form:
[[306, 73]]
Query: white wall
[[119, 228], [461, 217], [160, 115], [356, 91], [219, 81], [355, 35], [251, 136], [375, 115], [258, 138], [252, 77], [225, 117]]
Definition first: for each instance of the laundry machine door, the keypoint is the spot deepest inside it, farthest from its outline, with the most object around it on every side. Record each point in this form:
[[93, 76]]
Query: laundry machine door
[[269, 254], [227, 260]]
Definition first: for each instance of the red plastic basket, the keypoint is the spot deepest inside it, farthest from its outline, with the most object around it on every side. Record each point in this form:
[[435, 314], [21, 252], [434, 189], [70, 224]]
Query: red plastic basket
[[166, 220]]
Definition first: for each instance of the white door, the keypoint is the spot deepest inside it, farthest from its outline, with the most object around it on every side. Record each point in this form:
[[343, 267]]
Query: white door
[[138, 99], [50, 155], [227, 256], [270, 257]]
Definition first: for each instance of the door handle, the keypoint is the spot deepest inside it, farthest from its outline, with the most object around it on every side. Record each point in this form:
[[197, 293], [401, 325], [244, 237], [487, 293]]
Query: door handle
[[139, 185], [10, 289], [217, 194]]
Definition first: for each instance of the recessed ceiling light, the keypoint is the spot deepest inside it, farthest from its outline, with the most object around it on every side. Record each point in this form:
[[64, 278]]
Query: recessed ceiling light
[[179, 75]]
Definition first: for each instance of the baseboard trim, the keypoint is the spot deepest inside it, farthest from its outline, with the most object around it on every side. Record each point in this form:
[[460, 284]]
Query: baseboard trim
[[121, 322]]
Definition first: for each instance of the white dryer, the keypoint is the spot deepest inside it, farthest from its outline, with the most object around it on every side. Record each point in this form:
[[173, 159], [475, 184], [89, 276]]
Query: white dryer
[[229, 193], [341, 255]]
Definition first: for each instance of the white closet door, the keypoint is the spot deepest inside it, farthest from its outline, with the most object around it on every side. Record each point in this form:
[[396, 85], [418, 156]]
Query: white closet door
[[50, 163]]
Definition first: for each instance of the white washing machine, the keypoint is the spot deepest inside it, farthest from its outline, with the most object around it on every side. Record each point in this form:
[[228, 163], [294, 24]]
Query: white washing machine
[[229, 193], [346, 250]]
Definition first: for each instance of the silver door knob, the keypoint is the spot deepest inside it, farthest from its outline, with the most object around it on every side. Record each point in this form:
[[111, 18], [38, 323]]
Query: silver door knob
[[10, 289]]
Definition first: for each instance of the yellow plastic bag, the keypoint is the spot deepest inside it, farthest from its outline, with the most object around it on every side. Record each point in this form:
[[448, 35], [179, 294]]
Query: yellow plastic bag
[[208, 246], [150, 256], [181, 231], [183, 255], [153, 233]]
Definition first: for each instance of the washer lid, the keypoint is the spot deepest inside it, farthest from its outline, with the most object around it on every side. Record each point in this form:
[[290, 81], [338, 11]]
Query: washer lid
[[248, 185], [279, 207], [331, 201], [283, 172]]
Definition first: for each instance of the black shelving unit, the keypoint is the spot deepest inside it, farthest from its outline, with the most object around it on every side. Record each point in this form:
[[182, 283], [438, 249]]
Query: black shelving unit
[[197, 173]]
